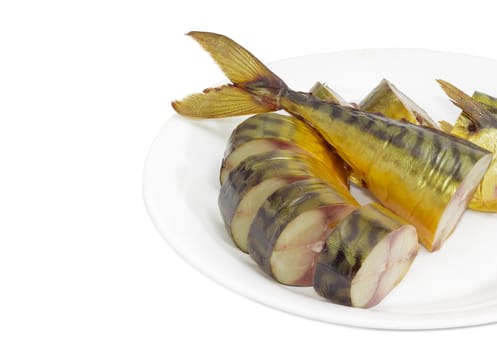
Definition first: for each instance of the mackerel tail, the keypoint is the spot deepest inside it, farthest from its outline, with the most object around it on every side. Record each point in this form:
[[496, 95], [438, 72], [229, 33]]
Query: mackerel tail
[[421, 174]]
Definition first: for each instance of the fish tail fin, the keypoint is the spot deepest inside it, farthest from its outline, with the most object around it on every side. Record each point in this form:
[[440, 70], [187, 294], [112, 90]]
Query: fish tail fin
[[253, 89], [472, 109]]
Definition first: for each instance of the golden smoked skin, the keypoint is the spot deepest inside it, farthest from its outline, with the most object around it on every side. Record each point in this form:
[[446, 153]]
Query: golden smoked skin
[[417, 172], [324, 92], [342, 273], [389, 101], [278, 167], [411, 170], [471, 127], [270, 131], [384, 99]]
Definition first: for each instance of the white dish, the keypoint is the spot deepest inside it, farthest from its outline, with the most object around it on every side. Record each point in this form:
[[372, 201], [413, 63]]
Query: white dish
[[454, 287]]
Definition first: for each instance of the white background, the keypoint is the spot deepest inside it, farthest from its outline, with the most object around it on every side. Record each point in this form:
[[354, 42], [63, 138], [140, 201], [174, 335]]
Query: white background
[[84, 88]]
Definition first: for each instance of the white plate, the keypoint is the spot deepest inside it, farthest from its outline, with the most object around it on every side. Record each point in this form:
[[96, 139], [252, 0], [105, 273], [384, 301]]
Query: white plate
[[454, 287]]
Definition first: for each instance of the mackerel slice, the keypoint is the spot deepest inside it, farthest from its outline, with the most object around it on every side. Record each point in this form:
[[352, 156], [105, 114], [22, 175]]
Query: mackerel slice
[[256, 178], [365, 257], [291, 227], [268, 132], [477, 123], [388, 100], [325, 93]]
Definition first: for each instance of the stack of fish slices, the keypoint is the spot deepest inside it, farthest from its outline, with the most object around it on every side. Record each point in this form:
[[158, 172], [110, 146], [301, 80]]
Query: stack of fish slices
[[290, 208]]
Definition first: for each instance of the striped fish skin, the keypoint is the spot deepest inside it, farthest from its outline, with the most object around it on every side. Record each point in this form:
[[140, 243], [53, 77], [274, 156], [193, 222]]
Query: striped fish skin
[[414, 171], [488, 102], [348, 247], [422, 174], [470, 126], [485, 196], [270, 131], [282, 166], [388, 100], [277, 214], [325, 93]]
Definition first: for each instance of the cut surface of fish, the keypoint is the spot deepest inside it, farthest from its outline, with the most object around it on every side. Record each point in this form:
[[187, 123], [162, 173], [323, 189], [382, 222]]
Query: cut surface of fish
[[365, 256], [291, 227], [478, 124], [256, 178]]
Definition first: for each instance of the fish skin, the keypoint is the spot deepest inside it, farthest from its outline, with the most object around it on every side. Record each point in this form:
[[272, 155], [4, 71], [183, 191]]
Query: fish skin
[[287, 129], [286, 165], [348, 246], [412, 170], [488, 102], [285, 205], [388, 100], [324, 92], [477, 123]]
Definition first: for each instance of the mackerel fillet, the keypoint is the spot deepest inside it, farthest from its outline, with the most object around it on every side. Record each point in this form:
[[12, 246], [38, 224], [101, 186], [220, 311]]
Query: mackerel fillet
[[365, 257]]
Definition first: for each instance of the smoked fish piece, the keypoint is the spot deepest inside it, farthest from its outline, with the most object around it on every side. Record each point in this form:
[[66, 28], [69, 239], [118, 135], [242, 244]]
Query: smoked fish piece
[[385, 99], [478, 124], [388, 100], [291, 227], [268, 132], [422, 174], [257, 177], [365, 256], [324, 92]]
